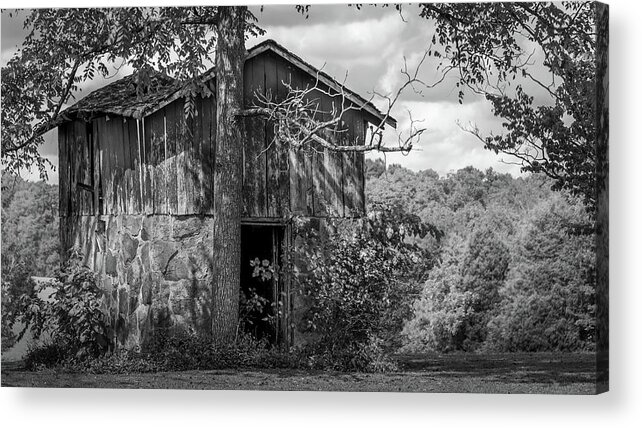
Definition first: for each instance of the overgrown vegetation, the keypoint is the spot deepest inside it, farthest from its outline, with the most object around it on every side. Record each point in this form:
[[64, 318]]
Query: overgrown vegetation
[[358, 283], [72, 317], [474, 261]]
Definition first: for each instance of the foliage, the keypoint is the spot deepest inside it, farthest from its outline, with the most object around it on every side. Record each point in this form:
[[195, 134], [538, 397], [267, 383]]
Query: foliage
[[66, 47], [257, 312], [493, 47], [73, 316], [358, 286], [374, 168], [30, 225], [527, 285], [460, 297], [549, 298], [16, 283], [169, 351]]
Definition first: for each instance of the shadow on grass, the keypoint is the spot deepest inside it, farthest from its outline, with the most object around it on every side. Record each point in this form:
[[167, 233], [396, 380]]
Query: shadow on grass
[[560, 368]]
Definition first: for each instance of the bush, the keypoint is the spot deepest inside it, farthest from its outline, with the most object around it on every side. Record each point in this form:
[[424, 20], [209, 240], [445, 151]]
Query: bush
[[73, 317], [16, 283], [178, 351], [460, 297], [360, 284]]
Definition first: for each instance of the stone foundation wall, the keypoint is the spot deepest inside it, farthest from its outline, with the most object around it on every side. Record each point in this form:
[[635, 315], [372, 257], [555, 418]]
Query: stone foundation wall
[[155, 271]]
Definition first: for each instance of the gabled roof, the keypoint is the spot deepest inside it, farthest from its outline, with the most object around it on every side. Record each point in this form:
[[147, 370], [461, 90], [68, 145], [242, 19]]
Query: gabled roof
[[271, 45], [121, 97]]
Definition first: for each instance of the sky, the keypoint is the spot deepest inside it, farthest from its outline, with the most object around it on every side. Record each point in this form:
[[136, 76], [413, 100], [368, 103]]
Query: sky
[[367, 48]]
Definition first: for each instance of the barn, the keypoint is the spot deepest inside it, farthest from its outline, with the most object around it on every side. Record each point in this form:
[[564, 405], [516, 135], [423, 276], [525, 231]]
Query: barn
[[137, 183]]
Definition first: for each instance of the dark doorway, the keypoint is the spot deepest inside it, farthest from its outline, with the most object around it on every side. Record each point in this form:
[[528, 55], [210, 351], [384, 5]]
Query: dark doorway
[[260, 302]]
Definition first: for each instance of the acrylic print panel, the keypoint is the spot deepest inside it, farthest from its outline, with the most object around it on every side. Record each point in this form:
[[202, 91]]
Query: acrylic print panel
[[419, 202]]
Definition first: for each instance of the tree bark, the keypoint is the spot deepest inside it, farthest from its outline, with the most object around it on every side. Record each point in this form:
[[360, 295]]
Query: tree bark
[[230, 133]]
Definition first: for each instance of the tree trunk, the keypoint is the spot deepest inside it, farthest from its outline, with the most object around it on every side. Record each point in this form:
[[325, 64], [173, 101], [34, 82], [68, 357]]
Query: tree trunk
[[230, 54]]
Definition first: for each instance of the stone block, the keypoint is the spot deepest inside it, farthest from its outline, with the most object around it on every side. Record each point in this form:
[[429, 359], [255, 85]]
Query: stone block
[[180, 296], [106, 285], [132, 224], [134, 275], [128, 247], [123, 301], [146, 289], [143, 252], [157, 227], [187, 226], [177, 269], [133, 302], [110, 264], [160, 254]]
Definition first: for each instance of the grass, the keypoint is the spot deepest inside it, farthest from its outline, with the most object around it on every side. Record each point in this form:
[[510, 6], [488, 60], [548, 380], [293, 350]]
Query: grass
[[536, 373]]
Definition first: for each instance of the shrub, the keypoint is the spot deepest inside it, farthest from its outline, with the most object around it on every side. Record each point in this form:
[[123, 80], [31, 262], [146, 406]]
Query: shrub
[[16, 282], [359, 286], [460, 297], [178, 351], [73, 316]]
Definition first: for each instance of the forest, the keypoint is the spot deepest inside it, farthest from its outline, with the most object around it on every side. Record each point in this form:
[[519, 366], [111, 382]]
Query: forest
[[474, 261]]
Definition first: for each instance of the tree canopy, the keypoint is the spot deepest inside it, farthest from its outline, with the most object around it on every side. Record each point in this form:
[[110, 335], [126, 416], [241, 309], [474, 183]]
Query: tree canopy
[[497, 48], [67, 47]]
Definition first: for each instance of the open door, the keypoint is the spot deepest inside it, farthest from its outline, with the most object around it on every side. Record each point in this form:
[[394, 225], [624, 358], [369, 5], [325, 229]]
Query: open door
[[262, 302]]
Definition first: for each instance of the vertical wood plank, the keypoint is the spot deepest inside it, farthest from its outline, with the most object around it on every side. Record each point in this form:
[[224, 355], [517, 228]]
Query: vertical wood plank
[[125, 188], [171, 124], [359, 166], [349, 176], [134, 156], [83, 168], [105, 164], [182, 167], [298, 166], [254, 167], [195, 158], [212, 150], [147, 167], [248, 170], [272, 156], [204, 156], [283, 75], [157, 143], [63, 177], [332, 166], [97, 168], [116, 143], [259, 154]]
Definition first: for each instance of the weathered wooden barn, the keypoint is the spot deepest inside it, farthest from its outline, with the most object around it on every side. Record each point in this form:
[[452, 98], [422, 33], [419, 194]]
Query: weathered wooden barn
[[136, 192]]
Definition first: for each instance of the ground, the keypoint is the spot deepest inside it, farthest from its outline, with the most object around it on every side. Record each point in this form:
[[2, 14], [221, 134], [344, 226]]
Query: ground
[[539, 373]]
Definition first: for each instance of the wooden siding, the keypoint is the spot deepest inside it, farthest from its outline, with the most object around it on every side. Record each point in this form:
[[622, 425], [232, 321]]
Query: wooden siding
[[309, 182], [164, 163]]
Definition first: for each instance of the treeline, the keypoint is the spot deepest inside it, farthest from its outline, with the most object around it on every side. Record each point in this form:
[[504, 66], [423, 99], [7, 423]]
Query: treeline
[[30, 225], [509, 263], [514, 269]]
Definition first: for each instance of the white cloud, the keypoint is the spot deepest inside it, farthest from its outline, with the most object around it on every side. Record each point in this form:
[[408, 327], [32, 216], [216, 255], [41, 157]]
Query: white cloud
[[445, 147]]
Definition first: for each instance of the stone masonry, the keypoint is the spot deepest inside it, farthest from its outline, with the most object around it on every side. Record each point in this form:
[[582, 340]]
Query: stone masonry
[[155, 271]]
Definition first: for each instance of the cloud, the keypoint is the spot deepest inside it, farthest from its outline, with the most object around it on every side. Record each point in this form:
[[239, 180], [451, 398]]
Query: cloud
[[445, 147], [370, 45]]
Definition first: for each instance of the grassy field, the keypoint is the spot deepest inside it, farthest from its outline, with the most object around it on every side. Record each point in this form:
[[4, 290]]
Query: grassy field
[[541, 373]]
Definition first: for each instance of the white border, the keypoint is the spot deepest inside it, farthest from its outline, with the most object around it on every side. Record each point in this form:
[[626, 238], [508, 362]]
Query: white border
[[620, 407]]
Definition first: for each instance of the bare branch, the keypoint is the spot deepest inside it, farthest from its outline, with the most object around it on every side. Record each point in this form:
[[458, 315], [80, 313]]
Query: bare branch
[[300, 122]]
